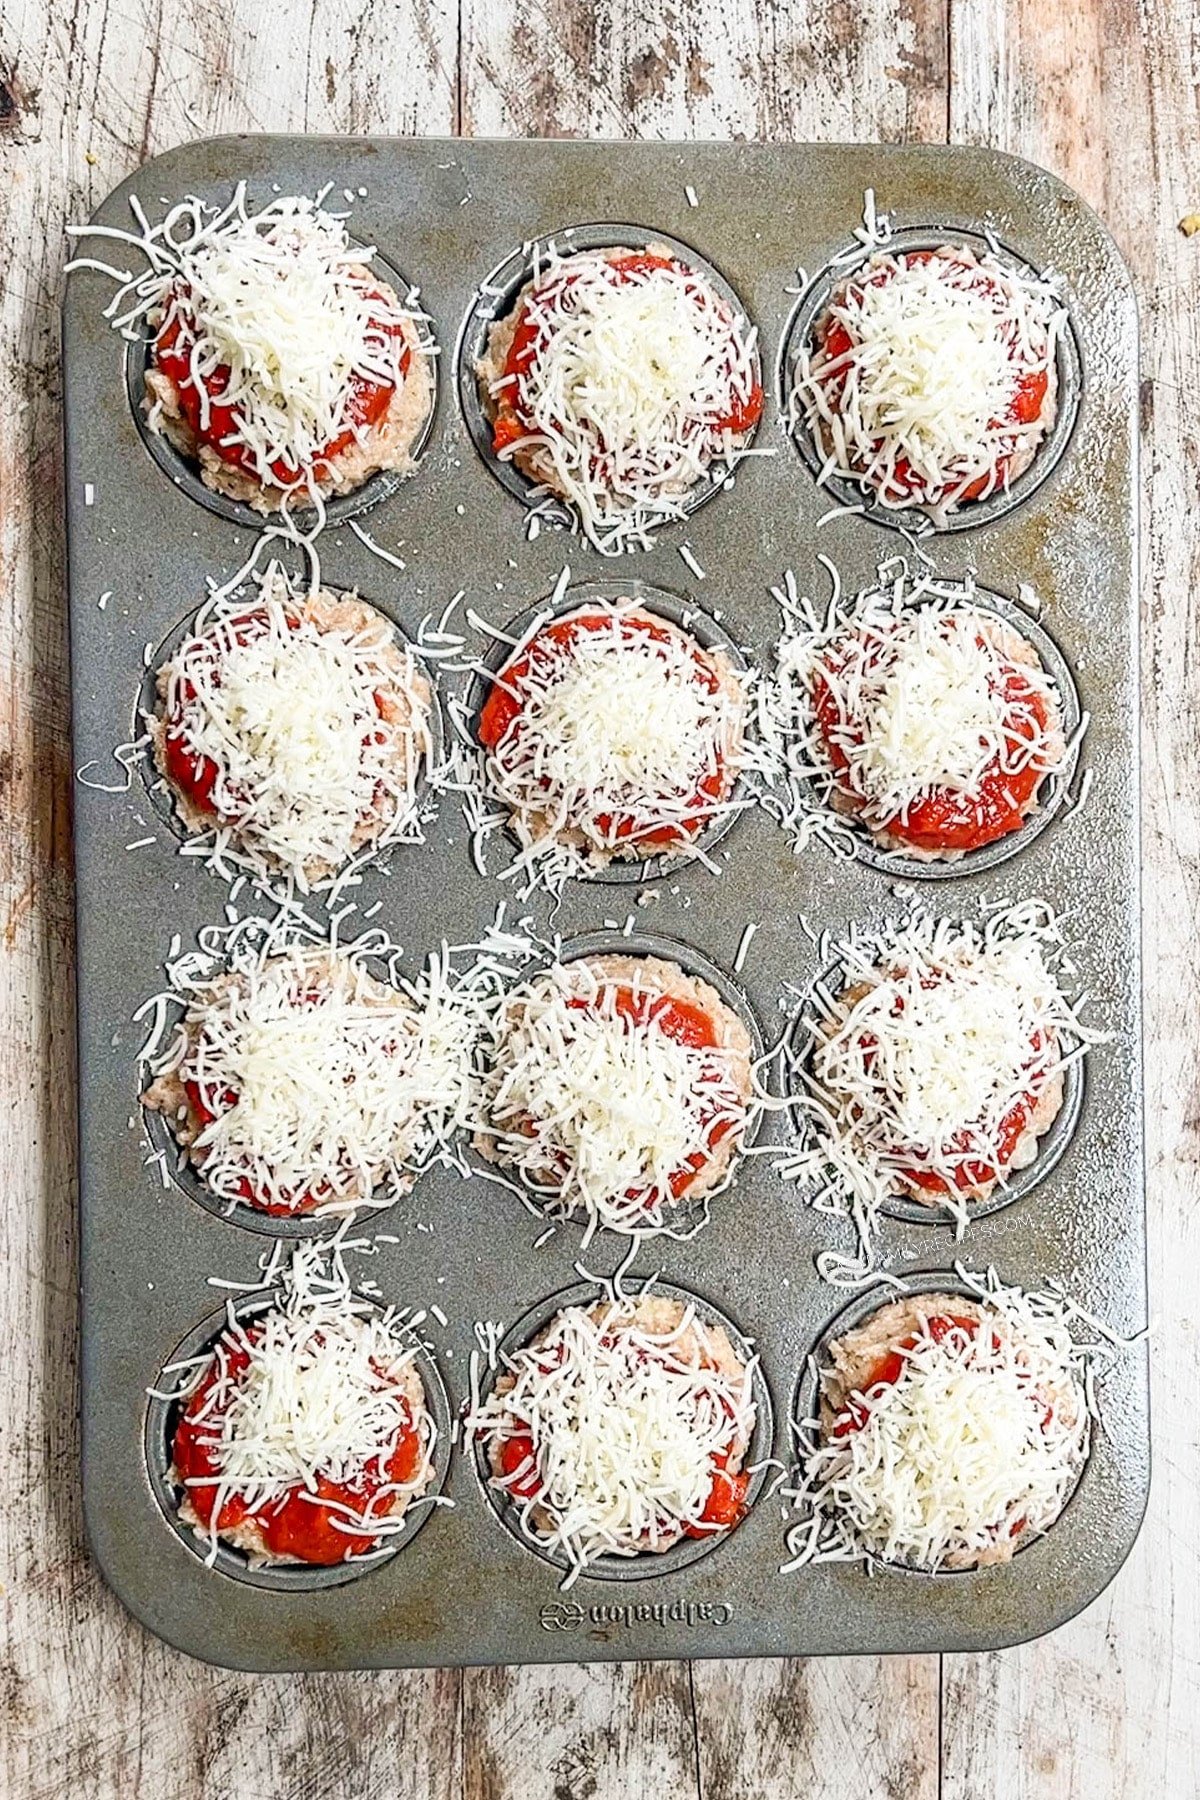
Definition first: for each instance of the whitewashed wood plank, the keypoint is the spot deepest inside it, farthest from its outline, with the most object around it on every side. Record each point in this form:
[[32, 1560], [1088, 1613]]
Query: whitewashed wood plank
[[92, 1705], [1105, 95], [847, 1728], [608, 1731], [710, 69]]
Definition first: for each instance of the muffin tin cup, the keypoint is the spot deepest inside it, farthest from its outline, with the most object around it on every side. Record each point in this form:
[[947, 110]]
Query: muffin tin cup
[[1053, 794], [682, 1222], [689, 1551], [1052, 1143], [495, 299], [184, 471], [162, 1417], [806, 1401], [159, 790], [677, 609], [970, 514]]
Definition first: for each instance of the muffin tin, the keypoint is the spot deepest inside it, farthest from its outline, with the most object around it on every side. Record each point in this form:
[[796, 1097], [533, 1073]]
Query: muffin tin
[[463, 1588]]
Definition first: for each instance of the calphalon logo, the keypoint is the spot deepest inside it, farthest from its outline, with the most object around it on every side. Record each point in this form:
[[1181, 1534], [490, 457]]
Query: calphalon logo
[[569, 1615]]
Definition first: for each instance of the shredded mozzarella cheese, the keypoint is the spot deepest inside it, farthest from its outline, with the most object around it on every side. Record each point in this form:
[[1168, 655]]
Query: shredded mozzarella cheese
[[629, 1405], [918, 409], [919, 678], [596, 1111], [971, 1452], [329, 1088], [625, 733], [628, 392], [316, 720]]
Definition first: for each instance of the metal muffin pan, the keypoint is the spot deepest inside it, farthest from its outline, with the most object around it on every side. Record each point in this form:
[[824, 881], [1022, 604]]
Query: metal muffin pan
[[464, 1590]]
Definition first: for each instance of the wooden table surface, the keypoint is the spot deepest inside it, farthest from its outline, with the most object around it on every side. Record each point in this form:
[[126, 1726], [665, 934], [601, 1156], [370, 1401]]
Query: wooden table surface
[[1105, 93]]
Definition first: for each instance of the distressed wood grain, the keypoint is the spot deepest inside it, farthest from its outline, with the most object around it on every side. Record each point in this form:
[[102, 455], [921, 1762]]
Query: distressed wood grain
[[616, 1731], [850, 1728], [705, 68], [1106, 95]]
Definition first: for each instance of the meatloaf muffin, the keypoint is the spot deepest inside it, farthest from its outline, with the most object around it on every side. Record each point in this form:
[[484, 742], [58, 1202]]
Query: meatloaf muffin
[[618, 1087]]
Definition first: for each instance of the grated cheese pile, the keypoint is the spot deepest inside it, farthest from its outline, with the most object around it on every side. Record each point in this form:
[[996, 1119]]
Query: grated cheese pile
[[627, 1416], [631, 374], [939, 1029], [281, 300], [596, 1111], [317, 721], [322, 1395], [343, 1086], [919, 677], [918, 410], [617, 732], [973, 1451]]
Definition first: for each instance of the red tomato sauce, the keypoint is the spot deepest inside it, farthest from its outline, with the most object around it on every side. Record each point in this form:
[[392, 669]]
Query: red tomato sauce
[[367, 401], [947, 819], [300, 1523], [501, 716], [512, 420], [193, 774], [726, 1503], [1029, 392]]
